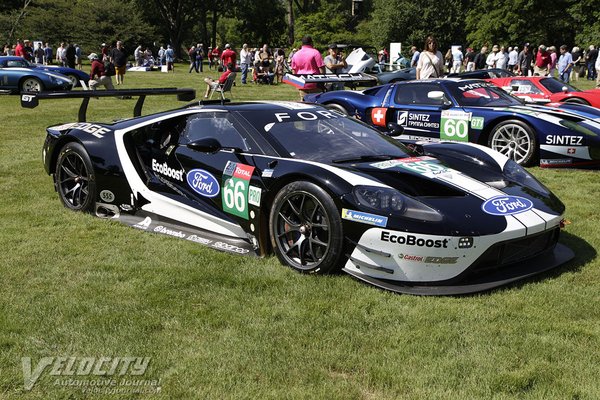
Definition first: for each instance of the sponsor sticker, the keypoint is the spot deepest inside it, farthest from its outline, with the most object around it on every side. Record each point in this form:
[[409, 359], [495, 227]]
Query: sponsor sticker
[[363, 217], [416, 120], [506, 205], [236, 183], [165, 170], [254, 194], [267, 173], [455, 125], [107, 196], [427, 166], [564, 140], [477, 123], [144, 224], [203, 183], [412, 240]]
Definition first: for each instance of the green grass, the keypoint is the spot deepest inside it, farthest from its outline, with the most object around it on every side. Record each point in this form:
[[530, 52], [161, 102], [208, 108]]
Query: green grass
[[220, 326]]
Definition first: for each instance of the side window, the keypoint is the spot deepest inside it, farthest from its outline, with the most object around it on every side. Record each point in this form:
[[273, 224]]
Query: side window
[[418, 94], [218, 125], [525, 87]]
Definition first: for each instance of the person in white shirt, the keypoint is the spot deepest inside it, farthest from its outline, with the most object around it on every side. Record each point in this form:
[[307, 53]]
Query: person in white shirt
[[513, 55], [457, 59], [245, 62], [431, 61]]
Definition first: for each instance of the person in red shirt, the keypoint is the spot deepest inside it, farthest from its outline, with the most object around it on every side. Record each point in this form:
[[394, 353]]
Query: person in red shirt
[[19, 51], [98, 75], [542, 61], [228, 56], [215, 56], [212, 84]]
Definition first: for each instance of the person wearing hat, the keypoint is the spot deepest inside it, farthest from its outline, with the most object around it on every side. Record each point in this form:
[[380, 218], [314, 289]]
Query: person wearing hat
[[228, 56], [98, 75], [493, 57], [334, 64]]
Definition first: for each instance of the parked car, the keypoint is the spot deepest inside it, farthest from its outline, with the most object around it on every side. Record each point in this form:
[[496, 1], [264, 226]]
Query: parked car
[[74, 75], [483, 74], [19, 79], [406, 74], [545, 89], [247, 178], [480, 112]]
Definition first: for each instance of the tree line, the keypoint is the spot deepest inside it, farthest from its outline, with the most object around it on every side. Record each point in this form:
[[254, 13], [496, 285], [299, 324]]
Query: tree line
[[282, 23]]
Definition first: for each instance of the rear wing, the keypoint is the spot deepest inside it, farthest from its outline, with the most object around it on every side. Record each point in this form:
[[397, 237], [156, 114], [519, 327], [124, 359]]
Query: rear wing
[[299, 80], [32, 99]]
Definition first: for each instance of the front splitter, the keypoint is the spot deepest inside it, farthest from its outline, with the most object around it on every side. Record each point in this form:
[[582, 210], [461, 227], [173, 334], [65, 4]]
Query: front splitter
[[545, 262]]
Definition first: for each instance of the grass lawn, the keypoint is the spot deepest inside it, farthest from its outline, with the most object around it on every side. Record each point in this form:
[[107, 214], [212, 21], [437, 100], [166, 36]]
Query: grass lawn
[[220, 326]]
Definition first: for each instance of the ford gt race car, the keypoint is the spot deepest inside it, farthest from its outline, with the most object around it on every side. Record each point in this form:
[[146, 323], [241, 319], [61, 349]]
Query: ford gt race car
[[476, 111], [320, 190]]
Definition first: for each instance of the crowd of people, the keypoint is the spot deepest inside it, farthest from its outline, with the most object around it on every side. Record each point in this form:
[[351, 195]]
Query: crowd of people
[[527, 60], [266, 66]]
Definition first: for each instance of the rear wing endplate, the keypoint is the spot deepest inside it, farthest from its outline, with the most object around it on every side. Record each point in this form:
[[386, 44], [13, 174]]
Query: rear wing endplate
[[32, 99]]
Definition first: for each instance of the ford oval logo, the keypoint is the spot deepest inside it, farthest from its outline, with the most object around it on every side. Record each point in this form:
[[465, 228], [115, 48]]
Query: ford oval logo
[[506, 205], [203, 183]]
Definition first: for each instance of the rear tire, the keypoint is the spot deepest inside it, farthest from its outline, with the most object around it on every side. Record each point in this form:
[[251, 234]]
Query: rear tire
[[516, 140], [75, 178], [305, 227], [339, 108], [576, 100]]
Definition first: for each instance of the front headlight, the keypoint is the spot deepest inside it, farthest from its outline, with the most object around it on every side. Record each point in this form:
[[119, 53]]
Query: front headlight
[[390, 201], [516, 173]]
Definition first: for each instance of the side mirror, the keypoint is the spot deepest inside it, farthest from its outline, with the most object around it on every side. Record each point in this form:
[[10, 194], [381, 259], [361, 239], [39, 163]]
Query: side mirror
[[205, 145], [438, 95], [394, 129]]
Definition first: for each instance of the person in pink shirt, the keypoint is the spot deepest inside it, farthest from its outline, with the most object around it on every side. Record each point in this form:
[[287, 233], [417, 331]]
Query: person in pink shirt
[[308, 60]]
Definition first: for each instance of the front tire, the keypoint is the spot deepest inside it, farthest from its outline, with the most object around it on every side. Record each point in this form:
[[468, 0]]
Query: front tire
[[31, 85], [75, 178], [306, 228], [73, 79], [516, 140]]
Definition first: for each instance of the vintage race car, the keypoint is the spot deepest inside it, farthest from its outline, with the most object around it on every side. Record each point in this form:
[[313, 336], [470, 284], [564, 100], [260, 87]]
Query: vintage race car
[[476, 111], [19, 78], [545, 89], [74, 75], [320, 190]]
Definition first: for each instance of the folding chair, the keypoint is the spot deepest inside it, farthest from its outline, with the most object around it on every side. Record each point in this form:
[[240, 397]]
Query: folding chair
[[224, 87]]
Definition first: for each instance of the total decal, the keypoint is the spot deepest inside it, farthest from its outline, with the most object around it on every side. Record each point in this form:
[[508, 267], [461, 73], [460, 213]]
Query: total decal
[[164, 170], [236, 185]]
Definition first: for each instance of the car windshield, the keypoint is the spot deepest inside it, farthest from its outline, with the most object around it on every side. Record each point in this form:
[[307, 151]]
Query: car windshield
[[481, 94], [332, 139], [555, 86]]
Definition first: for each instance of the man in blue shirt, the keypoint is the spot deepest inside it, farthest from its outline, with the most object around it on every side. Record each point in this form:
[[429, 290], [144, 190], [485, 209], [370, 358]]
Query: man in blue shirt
[[565, 63]]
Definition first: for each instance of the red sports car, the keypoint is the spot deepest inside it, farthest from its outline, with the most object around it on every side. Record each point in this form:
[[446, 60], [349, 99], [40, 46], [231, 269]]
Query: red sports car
[[543, 89]]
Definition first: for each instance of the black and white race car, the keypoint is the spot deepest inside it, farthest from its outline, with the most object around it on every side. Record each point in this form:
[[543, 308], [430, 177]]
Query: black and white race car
[[320, 190]]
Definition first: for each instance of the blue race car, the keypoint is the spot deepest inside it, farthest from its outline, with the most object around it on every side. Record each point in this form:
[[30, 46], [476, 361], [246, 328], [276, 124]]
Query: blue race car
[[73, 74], [476, 111]]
